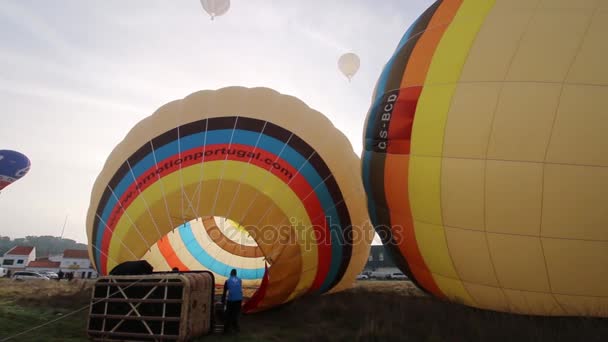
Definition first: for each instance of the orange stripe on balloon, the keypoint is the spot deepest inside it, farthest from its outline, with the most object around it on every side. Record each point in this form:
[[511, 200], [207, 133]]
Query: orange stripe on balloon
[[170, 256], [400, 138], [422, 55]]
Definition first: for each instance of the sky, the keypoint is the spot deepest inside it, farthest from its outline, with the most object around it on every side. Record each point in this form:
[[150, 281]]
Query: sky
[[76, 76]]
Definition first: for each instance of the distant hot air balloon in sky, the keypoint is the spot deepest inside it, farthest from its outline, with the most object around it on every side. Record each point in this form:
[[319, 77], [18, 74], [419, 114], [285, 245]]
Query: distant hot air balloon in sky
[[13, 166], [215, 8], [349, 64]]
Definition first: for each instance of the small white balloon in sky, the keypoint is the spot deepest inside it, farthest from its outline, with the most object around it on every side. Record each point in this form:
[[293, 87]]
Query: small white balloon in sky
[[349, 64], [215, 8]]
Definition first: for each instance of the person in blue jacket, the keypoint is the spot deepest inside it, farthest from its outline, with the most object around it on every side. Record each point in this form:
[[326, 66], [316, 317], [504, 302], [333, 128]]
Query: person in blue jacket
[[232, 286]]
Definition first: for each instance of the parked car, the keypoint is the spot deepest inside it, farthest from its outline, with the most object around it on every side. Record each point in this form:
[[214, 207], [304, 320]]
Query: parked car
[[362, 277], [51, 275], [3, 272], [25, 275], [397, 276], [378, 275]]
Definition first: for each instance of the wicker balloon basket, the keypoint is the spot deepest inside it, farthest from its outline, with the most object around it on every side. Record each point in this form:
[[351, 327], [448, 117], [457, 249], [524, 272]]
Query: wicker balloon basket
[[155, 307]]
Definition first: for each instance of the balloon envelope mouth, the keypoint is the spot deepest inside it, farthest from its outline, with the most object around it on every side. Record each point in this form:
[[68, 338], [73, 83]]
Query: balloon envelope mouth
[[214, 244]]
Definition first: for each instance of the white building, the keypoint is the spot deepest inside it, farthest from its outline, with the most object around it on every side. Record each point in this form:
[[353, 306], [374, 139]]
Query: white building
[[77, 261], [18, 257], [71, 261]]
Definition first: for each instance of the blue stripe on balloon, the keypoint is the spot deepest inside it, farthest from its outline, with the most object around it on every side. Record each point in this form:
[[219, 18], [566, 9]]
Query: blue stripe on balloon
[[242, 137], [211, 263], [380, 91]]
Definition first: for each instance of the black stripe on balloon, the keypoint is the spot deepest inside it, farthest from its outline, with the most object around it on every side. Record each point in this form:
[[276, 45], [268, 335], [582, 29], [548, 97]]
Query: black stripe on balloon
[[253, 125], [382, 221], [402, 57], [381, 121], [304, 149], [397, 65], [347, 244], [345, 237], [376, 147], [377, 143]]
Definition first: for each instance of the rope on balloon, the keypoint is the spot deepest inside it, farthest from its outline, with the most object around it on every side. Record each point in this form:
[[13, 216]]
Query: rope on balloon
[[293, 206], [112, 231], [217, 191], [162, 187], [199, 188], [181, 178], [124, 211], [241, 176], [183, 192], [245, 171], [268, 172], [144, 199], [218, 186]]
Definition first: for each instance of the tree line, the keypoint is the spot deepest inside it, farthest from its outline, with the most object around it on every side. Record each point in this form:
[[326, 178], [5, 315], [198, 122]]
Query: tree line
[[45, 245]]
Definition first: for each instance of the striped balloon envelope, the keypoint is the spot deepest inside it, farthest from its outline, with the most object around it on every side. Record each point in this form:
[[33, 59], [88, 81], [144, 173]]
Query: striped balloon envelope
[[238, 178], [485, 155]]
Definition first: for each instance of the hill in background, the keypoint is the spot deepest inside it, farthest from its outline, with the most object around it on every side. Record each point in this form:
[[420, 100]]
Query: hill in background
[[45, 245]]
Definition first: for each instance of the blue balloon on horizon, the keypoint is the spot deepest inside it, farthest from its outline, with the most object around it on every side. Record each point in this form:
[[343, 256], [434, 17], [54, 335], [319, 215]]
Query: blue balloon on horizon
[[13, 166]]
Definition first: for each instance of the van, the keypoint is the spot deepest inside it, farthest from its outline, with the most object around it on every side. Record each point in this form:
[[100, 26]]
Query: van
[[25, 275], [3, 272]]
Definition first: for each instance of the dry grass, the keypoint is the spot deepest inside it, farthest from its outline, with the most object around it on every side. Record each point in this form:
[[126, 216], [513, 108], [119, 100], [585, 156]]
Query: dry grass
[[24, 305], [400, 288], [58, 294], [397, 311], [371, 311]]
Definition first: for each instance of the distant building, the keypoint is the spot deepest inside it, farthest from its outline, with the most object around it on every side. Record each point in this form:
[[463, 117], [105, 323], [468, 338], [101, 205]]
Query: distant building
[[71, 260], [77, 261], [379, 263], [18, 257]]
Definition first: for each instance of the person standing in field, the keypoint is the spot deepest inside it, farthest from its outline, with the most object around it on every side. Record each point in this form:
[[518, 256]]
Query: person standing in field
[[233, 287]]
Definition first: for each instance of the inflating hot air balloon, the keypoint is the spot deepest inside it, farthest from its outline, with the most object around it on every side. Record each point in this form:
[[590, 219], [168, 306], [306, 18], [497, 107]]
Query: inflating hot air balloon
[[13, 166], [235, 178], [349, 64], [216, 8], [486, 156]]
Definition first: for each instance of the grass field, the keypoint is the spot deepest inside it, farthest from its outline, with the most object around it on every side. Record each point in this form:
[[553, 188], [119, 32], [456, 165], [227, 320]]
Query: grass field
[[371, 311]]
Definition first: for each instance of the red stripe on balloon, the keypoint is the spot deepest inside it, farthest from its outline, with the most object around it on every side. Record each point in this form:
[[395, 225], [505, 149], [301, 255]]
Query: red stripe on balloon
[[397, 162], [259, 295], [4, 184]]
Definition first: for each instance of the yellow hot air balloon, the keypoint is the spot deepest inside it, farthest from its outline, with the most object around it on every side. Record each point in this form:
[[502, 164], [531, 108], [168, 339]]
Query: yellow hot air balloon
[[235, 178], [486, 156], [349, 64]]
